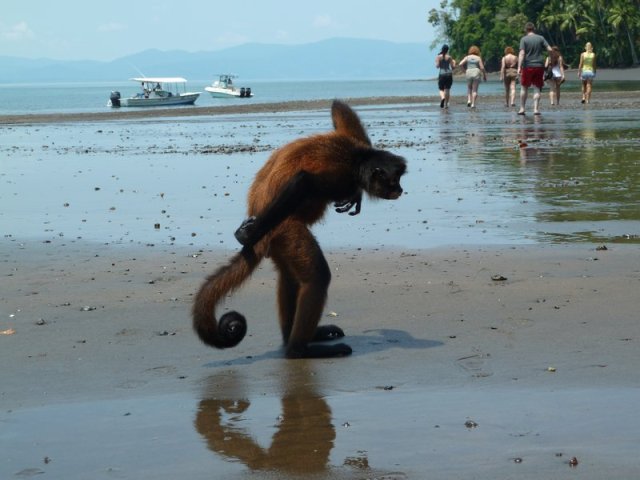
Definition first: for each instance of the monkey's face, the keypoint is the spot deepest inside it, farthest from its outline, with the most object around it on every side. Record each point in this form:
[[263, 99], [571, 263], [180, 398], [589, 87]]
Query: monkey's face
[[384, 178]]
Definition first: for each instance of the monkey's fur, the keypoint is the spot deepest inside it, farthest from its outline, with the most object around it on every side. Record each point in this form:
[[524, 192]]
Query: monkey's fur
[[290, 193]]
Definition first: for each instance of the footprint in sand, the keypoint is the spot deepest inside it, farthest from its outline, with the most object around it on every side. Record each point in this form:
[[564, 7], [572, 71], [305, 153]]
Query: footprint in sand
[[477, 365]]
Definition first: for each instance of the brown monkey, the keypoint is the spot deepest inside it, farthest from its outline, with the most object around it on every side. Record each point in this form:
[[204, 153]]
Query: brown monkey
[[291, 192]]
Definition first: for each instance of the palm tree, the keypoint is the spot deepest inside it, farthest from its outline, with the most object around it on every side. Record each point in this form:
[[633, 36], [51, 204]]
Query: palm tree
[[551, 18], [566, 23], [626, 15]]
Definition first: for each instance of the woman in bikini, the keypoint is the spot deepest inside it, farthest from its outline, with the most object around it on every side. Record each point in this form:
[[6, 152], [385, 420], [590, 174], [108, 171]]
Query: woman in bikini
[[509, 75]]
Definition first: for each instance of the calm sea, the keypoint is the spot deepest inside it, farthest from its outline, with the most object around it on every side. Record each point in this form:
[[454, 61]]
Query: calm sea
[[93, 97], [18, 99]]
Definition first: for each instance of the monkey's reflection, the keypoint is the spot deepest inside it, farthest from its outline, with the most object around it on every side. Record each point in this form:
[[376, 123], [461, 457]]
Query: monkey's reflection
[[305, 434]]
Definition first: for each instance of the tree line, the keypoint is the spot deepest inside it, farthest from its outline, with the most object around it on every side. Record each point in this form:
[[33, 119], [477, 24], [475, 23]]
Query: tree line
[[612, 26]]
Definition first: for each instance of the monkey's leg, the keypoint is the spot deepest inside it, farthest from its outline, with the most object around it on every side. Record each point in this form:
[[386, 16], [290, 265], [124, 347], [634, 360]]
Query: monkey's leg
[[310, 269], [287, 295], [301, 186], [287, 298]]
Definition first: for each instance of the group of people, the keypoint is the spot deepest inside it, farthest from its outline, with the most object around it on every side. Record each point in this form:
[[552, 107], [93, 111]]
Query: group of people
[[530, 66], [474, 71]]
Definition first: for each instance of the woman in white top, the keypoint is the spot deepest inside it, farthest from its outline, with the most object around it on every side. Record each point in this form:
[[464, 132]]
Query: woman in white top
[[555, 62], [474, 68]]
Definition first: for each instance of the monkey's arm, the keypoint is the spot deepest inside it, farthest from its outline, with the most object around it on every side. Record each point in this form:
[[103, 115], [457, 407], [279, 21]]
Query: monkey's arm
[[346, 205], [301, 186]]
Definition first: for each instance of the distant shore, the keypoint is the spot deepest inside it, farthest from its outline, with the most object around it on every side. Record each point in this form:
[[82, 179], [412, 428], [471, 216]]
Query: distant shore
[[628, 98]]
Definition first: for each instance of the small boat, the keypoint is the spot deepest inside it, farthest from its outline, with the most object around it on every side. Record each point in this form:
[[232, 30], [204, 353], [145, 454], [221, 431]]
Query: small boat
[[224, 87], [156, 92]]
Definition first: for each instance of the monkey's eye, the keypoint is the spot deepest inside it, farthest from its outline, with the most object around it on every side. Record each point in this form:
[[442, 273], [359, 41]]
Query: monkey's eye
[[379, 173]]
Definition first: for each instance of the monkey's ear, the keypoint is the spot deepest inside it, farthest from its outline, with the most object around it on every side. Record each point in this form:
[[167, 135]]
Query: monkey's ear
[[346, 122]]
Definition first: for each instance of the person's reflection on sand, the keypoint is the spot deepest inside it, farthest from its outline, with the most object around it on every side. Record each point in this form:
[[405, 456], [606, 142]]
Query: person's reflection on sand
[[304, 437], [534, 143]]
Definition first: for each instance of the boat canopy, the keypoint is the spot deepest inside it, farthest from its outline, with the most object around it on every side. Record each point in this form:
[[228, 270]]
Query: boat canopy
[[160, 79]]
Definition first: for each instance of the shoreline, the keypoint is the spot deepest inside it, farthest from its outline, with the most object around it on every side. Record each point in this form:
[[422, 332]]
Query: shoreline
[[607, 75], [628, 99], [194, 111]]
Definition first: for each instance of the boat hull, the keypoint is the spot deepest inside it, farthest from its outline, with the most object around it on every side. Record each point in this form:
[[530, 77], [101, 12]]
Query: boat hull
[[182, 99], [216, 92]]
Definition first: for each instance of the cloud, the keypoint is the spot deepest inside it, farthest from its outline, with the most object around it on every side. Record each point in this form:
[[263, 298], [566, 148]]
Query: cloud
[[111, 27], [19, 31]]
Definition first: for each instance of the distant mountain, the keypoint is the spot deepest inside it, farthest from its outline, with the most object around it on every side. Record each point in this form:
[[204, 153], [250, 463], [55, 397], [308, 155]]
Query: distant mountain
[[338, 58]]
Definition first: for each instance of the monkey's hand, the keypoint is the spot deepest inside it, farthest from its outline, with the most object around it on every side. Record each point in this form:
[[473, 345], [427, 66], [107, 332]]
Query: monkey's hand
[[246, 234], [346, 205]]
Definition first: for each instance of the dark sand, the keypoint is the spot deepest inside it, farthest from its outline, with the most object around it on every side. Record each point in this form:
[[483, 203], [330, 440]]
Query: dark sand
[[104, 377], [454, 375]]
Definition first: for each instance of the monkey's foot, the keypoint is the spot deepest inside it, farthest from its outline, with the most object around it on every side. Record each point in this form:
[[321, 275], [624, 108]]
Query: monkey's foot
[[319, 351], [325, 333], [246, 233]]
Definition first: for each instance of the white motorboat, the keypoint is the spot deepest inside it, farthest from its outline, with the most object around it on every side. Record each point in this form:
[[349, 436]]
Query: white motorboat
[[224, 87], [156, 92]]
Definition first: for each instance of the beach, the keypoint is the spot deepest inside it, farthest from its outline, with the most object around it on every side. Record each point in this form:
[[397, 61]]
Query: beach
[[544, 362], [257, 106], [483, 347]]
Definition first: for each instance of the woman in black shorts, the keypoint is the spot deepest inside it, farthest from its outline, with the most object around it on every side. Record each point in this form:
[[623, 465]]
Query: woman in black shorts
[[445, 65]]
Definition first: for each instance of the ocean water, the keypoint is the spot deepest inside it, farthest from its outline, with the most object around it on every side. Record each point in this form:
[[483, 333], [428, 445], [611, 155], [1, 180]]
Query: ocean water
[[93, 97], [16, 99]]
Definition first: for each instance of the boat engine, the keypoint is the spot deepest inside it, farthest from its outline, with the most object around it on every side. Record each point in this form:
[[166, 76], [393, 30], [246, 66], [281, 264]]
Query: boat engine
[[242, 92], [247, 92], [115, 99]]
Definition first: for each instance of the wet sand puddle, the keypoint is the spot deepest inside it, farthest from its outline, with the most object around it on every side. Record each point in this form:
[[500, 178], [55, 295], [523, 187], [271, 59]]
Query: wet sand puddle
[[383, 433], [482, 177]]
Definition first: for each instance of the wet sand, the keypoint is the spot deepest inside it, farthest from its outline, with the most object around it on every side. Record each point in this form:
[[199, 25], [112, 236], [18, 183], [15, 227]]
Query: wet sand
[[469, 361], [599, 101], [454, 374]]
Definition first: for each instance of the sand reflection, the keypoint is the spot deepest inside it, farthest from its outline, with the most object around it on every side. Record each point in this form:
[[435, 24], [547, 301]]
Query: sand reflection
[[304, 433]]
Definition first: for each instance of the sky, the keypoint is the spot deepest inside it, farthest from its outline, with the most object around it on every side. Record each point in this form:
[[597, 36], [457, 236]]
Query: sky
[[89, 30]]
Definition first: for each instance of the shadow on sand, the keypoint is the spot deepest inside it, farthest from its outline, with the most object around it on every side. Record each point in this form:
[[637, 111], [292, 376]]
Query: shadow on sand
[[374, 341]]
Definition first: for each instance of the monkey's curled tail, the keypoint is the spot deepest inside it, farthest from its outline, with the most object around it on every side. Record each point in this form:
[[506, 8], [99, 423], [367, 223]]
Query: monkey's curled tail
[[232, 327]]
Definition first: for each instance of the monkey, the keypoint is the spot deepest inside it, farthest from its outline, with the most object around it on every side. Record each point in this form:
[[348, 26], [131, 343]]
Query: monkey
[[290, 193]]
